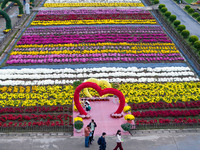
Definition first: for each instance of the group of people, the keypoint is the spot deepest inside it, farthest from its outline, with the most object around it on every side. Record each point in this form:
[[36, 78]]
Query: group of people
[[89, 137], [89, 133]]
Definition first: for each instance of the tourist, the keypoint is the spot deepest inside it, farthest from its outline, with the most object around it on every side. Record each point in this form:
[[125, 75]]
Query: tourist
[[119, 141], [87, 105], [92, 125], [87, 133], [102, 142]]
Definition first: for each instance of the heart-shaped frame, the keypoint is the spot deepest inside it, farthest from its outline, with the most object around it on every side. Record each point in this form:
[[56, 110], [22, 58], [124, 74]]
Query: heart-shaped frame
[[83, 113]]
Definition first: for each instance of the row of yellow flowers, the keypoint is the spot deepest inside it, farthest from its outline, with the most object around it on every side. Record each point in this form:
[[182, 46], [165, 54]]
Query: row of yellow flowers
[[155, 92], [105, 21], [36, 95], [96, 44], [133, 92], [93, 52], [93, 5]]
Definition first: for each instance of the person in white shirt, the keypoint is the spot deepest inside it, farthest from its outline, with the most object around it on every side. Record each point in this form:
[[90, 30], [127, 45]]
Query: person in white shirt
[[119, 141]]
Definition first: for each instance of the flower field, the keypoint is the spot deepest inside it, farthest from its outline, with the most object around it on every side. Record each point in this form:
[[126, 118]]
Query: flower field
[[126, 47]]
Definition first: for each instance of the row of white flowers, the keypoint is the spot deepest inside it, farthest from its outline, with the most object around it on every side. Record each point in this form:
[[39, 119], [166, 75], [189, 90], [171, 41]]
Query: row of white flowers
[[112, 74], [89, 70], [97, 75], [116, 80], [93, 1]]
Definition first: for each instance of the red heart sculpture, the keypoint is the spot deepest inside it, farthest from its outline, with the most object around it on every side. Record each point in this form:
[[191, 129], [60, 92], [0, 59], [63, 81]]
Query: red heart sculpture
[[101, 92]]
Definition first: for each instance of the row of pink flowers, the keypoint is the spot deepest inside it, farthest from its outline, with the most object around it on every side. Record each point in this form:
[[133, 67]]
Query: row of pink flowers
[[94, 38]]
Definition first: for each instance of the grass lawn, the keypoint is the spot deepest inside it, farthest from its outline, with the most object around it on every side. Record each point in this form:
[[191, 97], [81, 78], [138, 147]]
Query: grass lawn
[[191, 1]]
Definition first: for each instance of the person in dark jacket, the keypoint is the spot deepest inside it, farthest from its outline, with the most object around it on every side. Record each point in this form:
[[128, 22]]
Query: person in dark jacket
[[92, 125], [102, 142]]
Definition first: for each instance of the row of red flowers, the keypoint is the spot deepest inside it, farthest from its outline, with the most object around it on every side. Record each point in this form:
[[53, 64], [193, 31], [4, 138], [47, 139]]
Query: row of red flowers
[[166, 113], [165, 121], [32, 124], [164, 105], [20, 117], [94, 16], [34, 109]]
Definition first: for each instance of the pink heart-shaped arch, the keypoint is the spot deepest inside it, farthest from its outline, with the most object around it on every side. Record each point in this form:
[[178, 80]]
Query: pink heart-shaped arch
[[101, 92]]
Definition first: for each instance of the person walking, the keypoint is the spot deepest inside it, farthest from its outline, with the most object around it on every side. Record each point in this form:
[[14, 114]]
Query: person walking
[[92, 125], [119, 141], [102, 142], [87, 133]]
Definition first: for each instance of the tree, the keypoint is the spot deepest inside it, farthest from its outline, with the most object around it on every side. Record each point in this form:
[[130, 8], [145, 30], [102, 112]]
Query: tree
[[193, 38], [167, 13], [198, 18], [195, 15], [190, 10], [181, 28], [187, 7], [177, 22], [197, 45], [156, 1], [164, 9], [172, 18], [185, 33], [161, 6]]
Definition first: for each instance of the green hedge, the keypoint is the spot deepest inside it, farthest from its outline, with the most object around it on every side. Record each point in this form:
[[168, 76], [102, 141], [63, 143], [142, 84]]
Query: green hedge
[[161, 6], [156, 1], [193, 38], [190, 10], [187, 7], [195, 15], [167, 14], [172, 18], [181, 28], [197, 45], [185, 33], [164, 9], [177, 22]]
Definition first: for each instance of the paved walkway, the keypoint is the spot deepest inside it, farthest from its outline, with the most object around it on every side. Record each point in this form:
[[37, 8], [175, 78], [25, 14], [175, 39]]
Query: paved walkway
[[161, 141], [185, 19]]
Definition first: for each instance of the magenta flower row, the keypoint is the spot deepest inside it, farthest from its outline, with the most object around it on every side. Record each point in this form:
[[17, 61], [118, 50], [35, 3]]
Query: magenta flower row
[[104, 57], [95, 60], [96, 38]]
